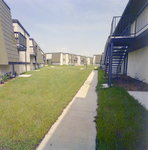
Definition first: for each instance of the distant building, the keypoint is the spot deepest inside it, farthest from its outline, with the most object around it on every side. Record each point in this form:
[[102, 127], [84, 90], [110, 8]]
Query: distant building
[[65, 58], [89, 60], [97, 59], [57, 58]]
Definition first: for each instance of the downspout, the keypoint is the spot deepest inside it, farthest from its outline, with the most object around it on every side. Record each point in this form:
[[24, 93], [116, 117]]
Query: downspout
[[13, 68], [124, 70], [110, 65], [126, 64], [25, 61], [135, 26]]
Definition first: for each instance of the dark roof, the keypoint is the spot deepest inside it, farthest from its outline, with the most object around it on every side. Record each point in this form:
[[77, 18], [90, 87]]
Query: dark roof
[[31, 39], [6, 4], [133, 7], [16, 21]]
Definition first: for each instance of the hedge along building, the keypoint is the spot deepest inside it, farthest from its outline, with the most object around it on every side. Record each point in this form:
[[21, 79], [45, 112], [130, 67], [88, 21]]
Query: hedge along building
[[22, 42], [9, 56], [37, 56], [126, 49]]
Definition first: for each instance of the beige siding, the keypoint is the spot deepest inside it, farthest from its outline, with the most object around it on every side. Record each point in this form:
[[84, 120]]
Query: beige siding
[[5, 68], [67, 60], [98, 58], [56, 57], [142, 19], [88, 60], [64, 59], [78, 60], [137, 64], [91, 60], [3, 52], [141, 22], [48, 56], [39, 56], [70, 58]]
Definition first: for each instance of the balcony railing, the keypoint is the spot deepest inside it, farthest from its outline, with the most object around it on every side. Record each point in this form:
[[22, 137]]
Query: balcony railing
[[33, 50], [130, 25], [123, 26], [43, 57], [20, 41]]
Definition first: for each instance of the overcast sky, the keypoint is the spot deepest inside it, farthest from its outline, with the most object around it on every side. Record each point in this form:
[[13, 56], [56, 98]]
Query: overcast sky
[[71, 26]]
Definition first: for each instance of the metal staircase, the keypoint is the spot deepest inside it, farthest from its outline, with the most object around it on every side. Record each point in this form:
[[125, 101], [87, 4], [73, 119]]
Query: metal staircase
[[119, 54], [126, 32], [122, 35]]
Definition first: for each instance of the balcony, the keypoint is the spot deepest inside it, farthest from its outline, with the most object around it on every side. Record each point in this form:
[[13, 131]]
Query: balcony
[[20, 41], [43, 57], [33, 51], [130, 26]]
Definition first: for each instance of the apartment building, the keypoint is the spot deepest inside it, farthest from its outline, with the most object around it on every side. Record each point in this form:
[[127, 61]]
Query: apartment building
[[22, 43], [65, 59], [37, 56], [83, 60], [9, 56], [18, 53], [89, 60], [74, 59], [126, 49], [78, 60], [48, 58], [96, 59], [57, 58]]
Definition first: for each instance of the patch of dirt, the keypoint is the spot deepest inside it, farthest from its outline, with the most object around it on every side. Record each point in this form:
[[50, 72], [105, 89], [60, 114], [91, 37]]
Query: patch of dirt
[[131, 84]]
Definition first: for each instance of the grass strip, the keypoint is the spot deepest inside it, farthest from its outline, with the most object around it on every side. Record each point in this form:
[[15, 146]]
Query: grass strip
[[29, 106], [122, 123]]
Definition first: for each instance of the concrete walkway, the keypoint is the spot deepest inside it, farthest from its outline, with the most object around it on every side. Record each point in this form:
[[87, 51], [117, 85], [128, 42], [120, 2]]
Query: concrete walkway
[[142, 97], [75, 129]]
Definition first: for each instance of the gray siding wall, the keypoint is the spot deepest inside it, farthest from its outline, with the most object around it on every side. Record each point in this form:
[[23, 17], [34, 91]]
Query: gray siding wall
[[56, 57], [8, 33], [98, 58]]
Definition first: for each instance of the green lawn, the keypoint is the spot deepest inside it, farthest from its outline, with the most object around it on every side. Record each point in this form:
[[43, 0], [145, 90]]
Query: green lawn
[[29, 106], [122, 123]]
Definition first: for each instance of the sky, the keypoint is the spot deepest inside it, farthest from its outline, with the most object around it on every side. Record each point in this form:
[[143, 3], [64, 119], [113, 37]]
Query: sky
[[71, 26]]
